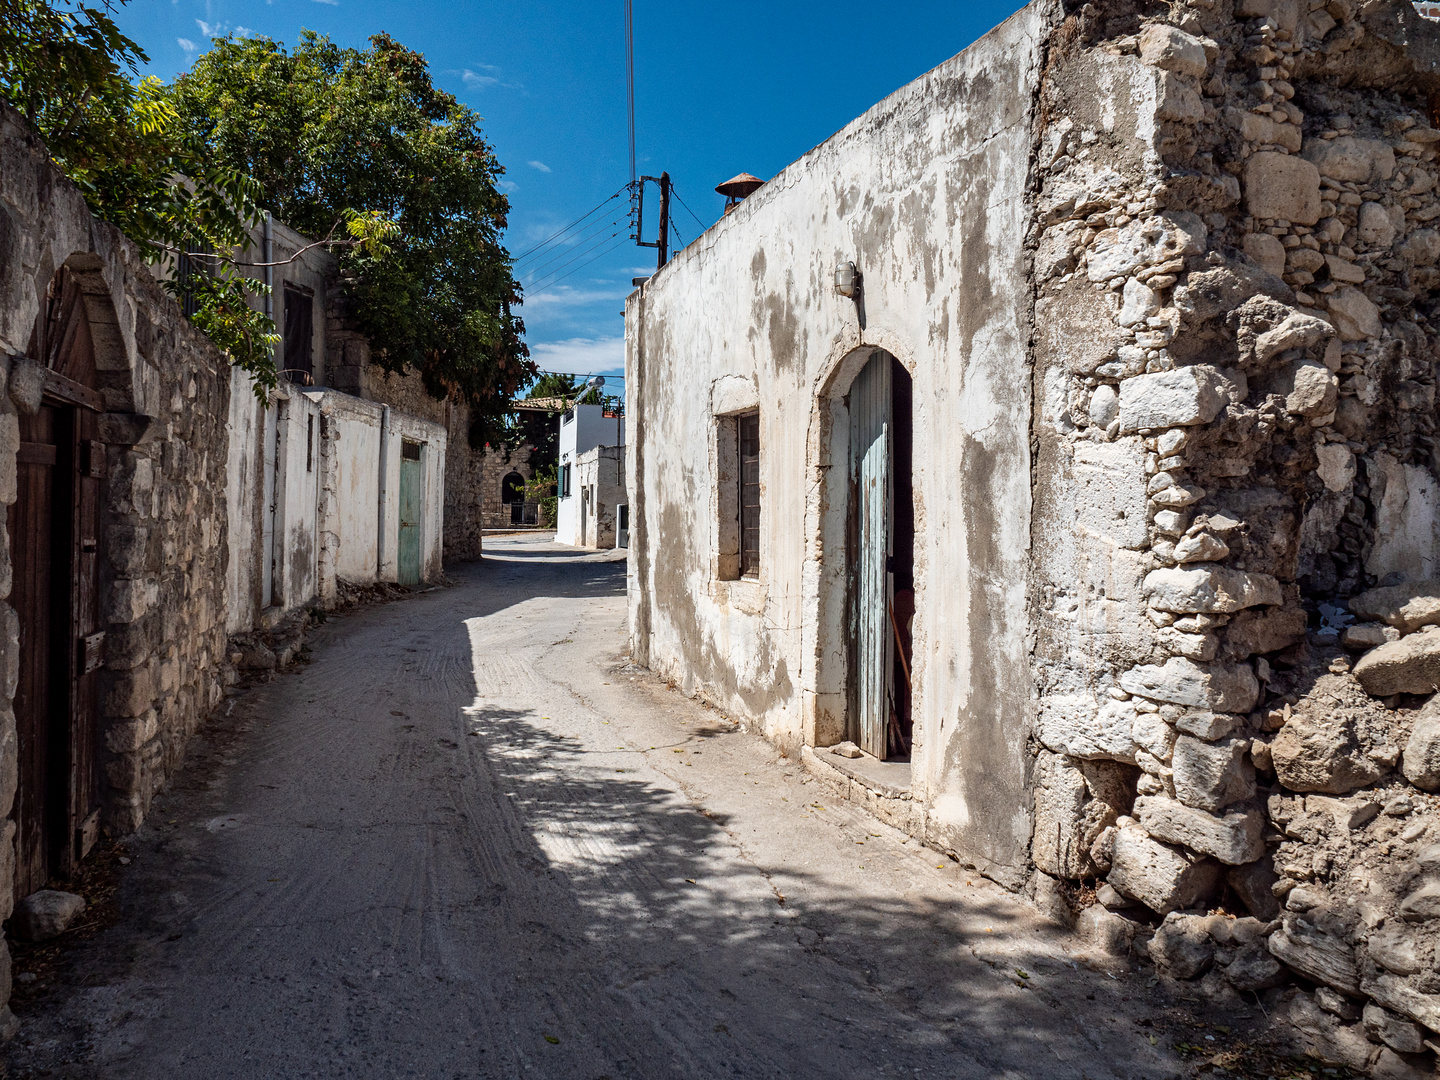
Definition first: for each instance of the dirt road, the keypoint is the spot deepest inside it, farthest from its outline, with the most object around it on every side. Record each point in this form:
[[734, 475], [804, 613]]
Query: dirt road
[[465, 841]]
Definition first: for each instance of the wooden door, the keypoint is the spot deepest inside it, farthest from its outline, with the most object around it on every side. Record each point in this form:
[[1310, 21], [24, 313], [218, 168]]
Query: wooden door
[[55, 549], [870, 400], [412, 504], [33, 594]]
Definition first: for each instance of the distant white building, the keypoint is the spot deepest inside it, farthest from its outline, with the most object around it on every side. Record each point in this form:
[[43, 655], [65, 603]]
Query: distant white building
[[591, 485]]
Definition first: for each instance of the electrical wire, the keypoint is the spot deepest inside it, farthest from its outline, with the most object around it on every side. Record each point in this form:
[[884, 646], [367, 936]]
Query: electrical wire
[[687, 208], [538, 269], [574, 253], [553, 281], [556, 279], [550, 254], [580, 374], [630, 78], [572, 225]]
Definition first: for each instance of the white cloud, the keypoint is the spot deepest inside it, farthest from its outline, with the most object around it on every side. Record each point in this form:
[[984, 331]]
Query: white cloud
[[539, 165], [475, 81], [186, 44], [582, 356], [210, 29], [507, 185], [332, 3]]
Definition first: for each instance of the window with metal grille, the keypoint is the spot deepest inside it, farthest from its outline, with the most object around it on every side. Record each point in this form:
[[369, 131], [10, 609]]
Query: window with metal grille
[[410, 450], [564, 481], [299, 331], [749, 447]]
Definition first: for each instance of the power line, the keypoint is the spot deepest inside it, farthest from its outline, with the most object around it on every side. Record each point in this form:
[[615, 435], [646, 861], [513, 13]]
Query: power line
[[544, 281], [549, 277], [630, 78], [567, 228], [556, 280], [687, 208], [578, 374], [559, 249], [538, 269]]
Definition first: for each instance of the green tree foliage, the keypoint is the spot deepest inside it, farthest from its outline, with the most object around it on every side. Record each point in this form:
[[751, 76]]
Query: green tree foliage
[[70, 71], [542, 490], [325, 130]]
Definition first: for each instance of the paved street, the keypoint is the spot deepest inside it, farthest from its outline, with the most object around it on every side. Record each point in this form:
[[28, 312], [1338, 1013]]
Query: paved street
[[467, 841]]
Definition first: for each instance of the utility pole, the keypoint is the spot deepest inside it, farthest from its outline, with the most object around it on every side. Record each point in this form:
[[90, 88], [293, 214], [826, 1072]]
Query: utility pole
[[662, 242], [664, 220]]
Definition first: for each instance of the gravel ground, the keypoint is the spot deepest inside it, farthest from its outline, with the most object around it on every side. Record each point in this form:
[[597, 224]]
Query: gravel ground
[[467, 839]]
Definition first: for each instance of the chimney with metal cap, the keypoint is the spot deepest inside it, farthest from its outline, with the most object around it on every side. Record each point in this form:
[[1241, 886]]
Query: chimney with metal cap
[[737, 188]]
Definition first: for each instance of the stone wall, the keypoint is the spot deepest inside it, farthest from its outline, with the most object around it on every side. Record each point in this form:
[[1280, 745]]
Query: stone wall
[[494, 466], [163, 532], [1234, 592]]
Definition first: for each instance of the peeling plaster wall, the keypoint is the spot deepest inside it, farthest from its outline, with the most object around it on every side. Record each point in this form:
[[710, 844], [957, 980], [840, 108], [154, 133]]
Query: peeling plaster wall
[[296, 562], [601, 472], [926, 193], [463, 513], [357, 543]]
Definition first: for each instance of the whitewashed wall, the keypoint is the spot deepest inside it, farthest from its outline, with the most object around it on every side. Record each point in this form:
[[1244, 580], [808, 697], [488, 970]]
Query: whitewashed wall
[[926, 193]]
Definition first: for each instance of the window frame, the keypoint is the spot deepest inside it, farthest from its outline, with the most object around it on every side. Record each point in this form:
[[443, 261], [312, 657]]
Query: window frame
[[748, 435], [731, 562]]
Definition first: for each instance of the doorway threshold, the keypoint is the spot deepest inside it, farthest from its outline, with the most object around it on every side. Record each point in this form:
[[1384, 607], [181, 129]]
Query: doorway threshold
[[880, 787], [890, 779]]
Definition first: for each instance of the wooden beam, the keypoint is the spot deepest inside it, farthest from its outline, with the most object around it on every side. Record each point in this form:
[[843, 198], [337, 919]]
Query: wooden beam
[[70, 392]]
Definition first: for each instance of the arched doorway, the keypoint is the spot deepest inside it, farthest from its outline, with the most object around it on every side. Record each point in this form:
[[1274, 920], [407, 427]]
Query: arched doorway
[[512, 494], [55, 539], [880, 556]]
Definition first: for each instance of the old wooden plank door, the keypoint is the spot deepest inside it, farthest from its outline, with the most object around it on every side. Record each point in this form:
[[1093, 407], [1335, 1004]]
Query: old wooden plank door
[[55, 532], [412, 506], [870, 400]]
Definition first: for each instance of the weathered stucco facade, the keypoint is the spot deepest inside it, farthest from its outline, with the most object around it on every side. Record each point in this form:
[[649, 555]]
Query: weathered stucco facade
[[348, 368], [927, 194], [1163, 280]]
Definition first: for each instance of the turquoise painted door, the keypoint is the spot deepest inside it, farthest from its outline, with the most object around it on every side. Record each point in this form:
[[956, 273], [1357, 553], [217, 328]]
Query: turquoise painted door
[[870, 585], [412, 509]]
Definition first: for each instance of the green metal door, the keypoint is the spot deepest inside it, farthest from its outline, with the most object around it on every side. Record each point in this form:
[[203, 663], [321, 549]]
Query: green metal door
[[412, 507]]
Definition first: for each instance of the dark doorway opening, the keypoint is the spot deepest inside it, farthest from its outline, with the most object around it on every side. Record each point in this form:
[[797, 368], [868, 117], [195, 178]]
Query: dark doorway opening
[[902, 558], [299, 334], [512, 494]]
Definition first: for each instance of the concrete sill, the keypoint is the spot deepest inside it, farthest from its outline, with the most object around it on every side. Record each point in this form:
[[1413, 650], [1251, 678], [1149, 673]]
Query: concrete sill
[[888, 779], [743, 594]]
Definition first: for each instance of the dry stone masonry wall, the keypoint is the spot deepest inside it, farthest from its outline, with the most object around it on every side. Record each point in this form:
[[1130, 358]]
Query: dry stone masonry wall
[[1236, 599]]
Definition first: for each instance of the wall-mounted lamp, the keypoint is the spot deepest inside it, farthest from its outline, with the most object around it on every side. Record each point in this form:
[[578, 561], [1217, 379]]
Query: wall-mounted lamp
[[847, 278]]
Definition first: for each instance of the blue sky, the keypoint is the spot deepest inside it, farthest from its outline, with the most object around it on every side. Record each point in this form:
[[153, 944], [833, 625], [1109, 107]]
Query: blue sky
[[719, 89]]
